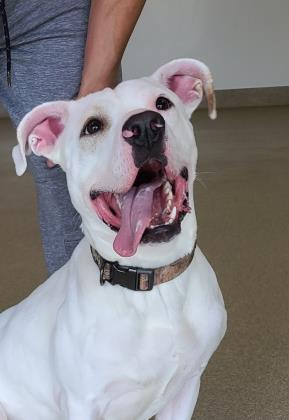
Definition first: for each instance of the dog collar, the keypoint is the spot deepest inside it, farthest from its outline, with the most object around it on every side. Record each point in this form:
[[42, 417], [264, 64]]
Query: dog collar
[[137, 278]]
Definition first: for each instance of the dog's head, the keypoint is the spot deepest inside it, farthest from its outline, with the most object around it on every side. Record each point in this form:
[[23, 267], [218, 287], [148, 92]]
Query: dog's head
[[130, 157]]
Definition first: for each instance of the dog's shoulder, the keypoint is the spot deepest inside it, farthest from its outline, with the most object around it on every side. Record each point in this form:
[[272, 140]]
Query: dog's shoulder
[[36, 311], [204, 307]]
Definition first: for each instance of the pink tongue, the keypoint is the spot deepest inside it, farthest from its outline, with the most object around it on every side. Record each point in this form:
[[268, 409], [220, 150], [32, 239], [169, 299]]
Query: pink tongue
[[136, 214]]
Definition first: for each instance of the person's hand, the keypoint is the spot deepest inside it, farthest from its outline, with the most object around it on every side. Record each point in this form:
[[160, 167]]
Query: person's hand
[[50, 164], [110, 79], [110, 26]]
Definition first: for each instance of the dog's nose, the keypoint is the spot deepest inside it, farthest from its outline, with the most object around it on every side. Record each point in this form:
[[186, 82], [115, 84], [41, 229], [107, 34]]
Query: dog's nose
[[144, 130]]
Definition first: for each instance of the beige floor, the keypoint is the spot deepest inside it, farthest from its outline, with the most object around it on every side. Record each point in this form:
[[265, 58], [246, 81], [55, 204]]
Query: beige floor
[[243, 207]]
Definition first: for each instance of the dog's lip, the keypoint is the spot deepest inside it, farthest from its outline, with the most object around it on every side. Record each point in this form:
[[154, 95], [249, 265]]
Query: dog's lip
[[94, 194], [167, 173]]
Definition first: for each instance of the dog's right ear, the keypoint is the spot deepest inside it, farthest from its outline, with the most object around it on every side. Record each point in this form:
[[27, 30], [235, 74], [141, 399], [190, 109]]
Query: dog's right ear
[[39, 132]]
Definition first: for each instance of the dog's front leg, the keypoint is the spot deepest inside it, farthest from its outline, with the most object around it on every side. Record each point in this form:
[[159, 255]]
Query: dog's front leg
[[182, 406]]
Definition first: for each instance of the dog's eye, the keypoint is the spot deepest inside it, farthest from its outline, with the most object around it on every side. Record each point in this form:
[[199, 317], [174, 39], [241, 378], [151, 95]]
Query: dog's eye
[[163, 103], [93, 126]]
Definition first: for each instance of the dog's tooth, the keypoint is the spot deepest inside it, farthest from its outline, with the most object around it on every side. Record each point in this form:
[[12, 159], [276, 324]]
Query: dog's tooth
[[118, 200], [168, 208], [167, 188], [153, 226], [172, 215], [170, 196]]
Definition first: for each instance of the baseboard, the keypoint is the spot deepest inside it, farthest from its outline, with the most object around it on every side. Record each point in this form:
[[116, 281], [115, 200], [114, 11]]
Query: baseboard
[[234, 98], [267, 96]]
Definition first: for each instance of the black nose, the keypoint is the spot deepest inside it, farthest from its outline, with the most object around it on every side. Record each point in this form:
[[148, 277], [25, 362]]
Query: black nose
[[144, 130]]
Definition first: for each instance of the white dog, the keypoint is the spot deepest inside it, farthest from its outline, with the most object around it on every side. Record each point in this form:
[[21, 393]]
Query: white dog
[[83, 345]]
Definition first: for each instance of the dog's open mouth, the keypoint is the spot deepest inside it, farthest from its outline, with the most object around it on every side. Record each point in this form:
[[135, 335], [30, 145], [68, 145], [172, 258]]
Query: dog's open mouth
[[151, 211]]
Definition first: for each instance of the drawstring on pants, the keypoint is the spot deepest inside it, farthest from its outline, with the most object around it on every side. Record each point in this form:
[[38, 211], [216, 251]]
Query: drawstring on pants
[[7, 40]]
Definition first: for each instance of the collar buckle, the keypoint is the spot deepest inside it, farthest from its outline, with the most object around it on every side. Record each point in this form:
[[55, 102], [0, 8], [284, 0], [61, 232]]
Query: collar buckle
[[134, 278]]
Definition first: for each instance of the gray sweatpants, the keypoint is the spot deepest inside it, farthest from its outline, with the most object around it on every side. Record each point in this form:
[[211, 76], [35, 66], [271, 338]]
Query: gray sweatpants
[[47, 40]]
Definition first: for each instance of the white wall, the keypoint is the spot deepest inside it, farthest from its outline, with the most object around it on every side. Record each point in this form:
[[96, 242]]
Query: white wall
[[245, 42]]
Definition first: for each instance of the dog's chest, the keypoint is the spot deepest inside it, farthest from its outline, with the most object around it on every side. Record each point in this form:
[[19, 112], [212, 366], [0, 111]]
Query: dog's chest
[[136, 354]]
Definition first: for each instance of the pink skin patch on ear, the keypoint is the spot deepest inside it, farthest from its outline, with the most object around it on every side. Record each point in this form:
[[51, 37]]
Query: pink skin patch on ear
[[45, 134], [188, 88]]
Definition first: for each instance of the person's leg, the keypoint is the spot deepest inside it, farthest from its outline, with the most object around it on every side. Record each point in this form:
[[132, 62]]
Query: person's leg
[[47, 58]]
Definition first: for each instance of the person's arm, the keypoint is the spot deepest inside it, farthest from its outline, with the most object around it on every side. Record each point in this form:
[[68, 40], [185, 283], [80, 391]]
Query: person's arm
[[111, 23]]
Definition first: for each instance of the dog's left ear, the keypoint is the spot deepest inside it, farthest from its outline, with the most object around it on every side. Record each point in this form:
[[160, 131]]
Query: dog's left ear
[[188, 79], [39, 132]]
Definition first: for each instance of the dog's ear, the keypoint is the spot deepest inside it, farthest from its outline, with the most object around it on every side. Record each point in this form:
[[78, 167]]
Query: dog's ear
[[39, 132], [188, 79]]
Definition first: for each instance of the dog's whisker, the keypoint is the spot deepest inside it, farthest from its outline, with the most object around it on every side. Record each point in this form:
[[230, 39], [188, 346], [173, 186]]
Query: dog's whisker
[[201, 182]]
